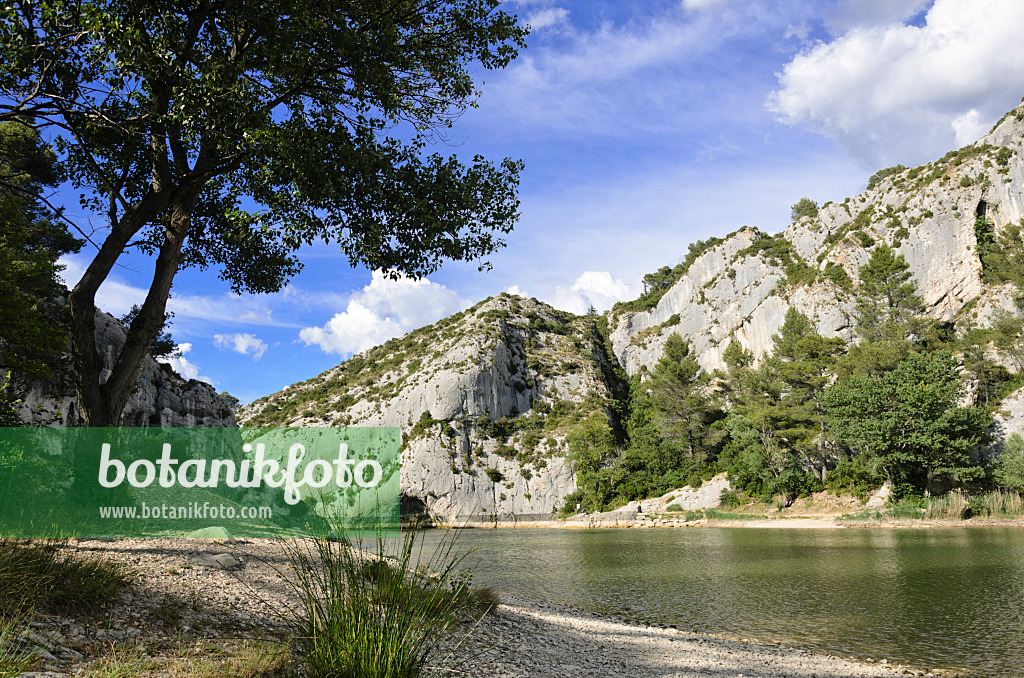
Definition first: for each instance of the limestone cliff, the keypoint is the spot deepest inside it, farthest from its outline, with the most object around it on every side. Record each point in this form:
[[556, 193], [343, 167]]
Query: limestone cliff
[[484, 398], [161, 398], [741, 288]]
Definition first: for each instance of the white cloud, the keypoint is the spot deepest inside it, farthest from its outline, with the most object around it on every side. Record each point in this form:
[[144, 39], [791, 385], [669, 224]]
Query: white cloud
[[597, 288], [241, 342], [900, 93], [704, 4], [549, 17], [117, 297], [183, 366], [595, 79], [383, 309], [849, 14], [969, 127], [114, 297], [515, 290]]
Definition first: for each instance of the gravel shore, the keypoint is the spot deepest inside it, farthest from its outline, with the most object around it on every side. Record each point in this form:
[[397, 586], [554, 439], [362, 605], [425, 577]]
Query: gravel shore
[[190, 592]]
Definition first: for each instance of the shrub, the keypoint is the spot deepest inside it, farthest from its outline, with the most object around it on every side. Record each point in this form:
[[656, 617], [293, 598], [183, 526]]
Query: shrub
[[883, 173], [1009, 467], [730, 499]]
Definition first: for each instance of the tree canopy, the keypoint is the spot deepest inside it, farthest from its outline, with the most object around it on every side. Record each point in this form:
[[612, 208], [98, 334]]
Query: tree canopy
[[229, 134]]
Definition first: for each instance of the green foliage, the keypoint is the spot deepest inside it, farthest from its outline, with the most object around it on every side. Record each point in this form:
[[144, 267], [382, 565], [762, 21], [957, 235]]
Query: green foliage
[[839, 276], [853, 476], [1002, 256], [494, 475], [888, 298], [591, 445], [877, 177], [776, 415], [1008, 470], [684, 408], [33, 325], [804, 207], [909, 419]]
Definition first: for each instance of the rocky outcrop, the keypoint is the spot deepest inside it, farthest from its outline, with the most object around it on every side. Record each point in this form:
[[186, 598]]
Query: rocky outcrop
[[161, 398], [740, 290], [484, 398]]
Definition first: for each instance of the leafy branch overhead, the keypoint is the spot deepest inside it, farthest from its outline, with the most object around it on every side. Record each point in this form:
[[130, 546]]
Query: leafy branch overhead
[[230, 134]]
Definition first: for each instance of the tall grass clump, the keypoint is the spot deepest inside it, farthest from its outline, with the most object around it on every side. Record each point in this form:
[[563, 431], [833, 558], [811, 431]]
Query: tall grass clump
[[14, 658], [952, 506], [377, 610], [41, 575], [997, 504]]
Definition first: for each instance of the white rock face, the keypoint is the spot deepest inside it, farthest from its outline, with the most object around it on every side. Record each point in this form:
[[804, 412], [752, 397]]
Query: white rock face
[[162, 398], [726, 296], [927, 214], [443, 386]]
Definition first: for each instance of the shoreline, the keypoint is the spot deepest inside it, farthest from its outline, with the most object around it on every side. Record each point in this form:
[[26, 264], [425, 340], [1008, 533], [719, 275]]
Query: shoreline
[[523, 639], [529, 638], [597, 522]]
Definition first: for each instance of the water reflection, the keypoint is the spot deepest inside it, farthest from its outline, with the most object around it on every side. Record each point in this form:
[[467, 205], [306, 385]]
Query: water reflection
[[939, 597]]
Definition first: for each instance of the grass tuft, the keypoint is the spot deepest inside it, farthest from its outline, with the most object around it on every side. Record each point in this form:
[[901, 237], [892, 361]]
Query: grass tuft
[[379, 612], [38, 575], [14, 657]]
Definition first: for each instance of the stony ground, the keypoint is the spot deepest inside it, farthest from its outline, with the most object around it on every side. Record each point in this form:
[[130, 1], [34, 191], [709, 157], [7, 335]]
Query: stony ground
[[197, 602]]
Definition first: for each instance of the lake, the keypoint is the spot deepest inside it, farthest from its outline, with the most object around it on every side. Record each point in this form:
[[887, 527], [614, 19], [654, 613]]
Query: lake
[[935, 598]]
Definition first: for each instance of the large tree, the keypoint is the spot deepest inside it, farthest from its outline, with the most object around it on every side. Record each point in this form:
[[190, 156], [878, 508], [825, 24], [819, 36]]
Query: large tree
[[230, 133], [910, 420]]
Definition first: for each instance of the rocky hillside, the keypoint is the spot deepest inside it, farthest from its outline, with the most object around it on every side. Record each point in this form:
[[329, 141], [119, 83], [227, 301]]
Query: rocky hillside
[[740, 287], [162, 397], [487, 398], [484, 398]]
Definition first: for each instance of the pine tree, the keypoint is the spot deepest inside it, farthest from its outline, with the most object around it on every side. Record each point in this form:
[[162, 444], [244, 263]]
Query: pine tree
[[684, 406]]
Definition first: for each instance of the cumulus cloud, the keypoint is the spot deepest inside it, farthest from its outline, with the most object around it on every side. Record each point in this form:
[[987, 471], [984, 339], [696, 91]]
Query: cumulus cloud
[[383, 309], [241, 342], [597, 288], [184, 366], [902, 93]]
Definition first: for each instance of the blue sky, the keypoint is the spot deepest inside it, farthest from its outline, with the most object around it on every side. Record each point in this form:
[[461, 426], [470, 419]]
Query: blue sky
[[644, 126]]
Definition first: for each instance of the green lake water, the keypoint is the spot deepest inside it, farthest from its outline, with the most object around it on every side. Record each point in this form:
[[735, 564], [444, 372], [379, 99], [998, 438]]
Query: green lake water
[[935, 598]]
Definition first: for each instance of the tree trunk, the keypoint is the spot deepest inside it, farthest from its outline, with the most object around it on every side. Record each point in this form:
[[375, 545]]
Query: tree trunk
[[103, 403]]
